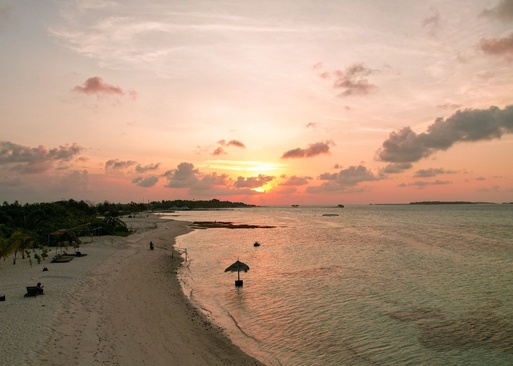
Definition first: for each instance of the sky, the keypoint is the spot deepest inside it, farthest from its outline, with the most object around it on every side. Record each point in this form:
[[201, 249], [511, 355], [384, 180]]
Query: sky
[[268, 103]]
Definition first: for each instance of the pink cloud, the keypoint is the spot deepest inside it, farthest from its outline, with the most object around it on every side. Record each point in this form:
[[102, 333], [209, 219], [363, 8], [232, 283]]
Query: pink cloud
[[219, 151], [498, 46], [223, 143], [35, 159], [312, 150], [96, 85]]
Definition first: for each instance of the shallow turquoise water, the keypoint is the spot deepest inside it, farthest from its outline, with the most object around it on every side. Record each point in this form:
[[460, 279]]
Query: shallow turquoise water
[[376, 285]]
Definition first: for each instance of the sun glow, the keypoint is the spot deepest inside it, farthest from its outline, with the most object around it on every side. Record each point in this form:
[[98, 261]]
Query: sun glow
[[265, 188], [249, 166]]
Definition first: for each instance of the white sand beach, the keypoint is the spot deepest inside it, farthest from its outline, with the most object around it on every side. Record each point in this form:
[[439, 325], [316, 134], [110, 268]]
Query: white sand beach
[[122, 304]]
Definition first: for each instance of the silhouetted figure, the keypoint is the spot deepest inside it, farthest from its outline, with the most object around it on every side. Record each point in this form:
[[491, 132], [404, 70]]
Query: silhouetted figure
[[39, 289], [151, 245]]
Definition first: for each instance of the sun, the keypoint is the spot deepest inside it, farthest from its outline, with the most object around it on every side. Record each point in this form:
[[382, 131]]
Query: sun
[[265, 188]]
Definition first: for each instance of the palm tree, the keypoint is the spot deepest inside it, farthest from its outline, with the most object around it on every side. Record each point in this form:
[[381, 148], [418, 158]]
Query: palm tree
[[17, 245], [112, 219]]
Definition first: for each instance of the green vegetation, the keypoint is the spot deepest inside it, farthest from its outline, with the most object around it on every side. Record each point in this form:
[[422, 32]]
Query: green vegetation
[[26, 231]]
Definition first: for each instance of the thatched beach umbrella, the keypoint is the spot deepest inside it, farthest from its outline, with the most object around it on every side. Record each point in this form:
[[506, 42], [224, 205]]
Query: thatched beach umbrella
[[237, 267]]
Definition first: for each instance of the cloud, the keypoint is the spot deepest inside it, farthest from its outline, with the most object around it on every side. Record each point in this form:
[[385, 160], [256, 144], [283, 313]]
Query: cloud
[[312, 150], [470, 125], [184, 176], [117, 165], [219, 151], [35, 159], [95, 85], [253, 182], [296, 181], [223, 143], [422, 184], [232, 143], [498, 46], [208, 181], [143, 169], [503, 11], [187, 176], [432, 172], [145, 182], [396, 168], [344, 180], [352, 81]]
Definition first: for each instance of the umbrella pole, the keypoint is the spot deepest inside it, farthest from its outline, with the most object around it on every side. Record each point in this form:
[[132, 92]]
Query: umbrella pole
[[239, 282]]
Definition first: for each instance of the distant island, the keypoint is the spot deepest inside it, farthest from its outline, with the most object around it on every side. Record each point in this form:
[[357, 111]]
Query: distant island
[[450, 203], [194, 205]]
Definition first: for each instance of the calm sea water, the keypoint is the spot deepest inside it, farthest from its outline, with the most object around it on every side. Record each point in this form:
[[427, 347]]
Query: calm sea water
[[375, 285]]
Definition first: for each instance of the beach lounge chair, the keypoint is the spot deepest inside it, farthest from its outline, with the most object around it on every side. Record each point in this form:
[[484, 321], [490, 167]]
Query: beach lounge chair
[[62, 258], [31, 291]]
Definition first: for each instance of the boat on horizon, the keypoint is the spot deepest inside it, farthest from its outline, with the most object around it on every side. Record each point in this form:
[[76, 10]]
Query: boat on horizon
[[341, 206], [295, 205]]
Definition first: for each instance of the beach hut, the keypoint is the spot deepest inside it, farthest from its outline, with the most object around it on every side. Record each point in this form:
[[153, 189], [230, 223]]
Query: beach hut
[[237, 267], [63, 238]]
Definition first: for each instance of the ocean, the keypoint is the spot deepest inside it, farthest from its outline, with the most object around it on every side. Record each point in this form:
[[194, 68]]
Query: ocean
[[366, 285]]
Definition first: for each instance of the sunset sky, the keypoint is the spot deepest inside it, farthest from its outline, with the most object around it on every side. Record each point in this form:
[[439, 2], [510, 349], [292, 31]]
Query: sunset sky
[[264, 102]]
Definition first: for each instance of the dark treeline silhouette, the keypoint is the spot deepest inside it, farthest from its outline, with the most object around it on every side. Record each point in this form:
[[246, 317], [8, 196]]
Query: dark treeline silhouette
[[28, 229], [181, 204]]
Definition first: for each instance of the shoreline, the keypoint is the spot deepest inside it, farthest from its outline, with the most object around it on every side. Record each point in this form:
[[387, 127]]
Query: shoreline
[[124, 306]]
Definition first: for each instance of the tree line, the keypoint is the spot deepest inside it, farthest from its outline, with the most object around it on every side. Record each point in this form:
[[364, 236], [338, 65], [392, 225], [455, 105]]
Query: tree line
[[25, 230], [194, 205]]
